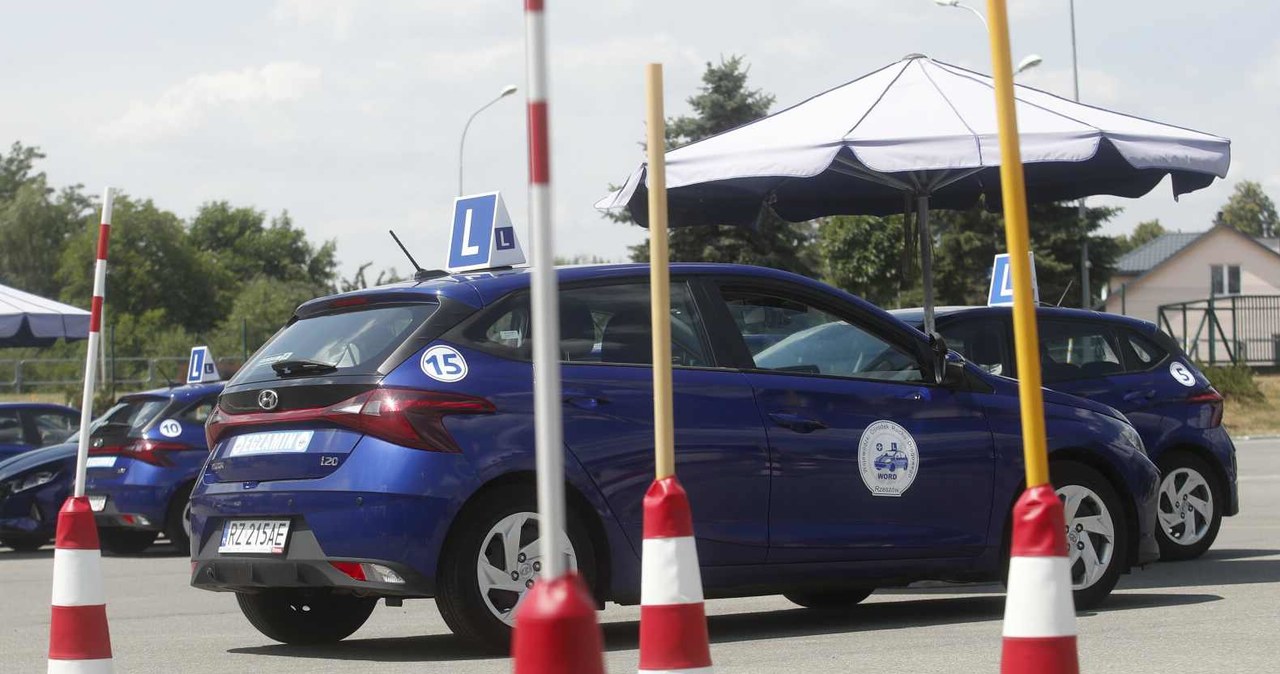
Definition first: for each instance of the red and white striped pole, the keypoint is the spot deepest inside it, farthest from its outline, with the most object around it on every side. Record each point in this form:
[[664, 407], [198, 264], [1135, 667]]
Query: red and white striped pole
[[1039, 613], [79, 641], [556, 630]]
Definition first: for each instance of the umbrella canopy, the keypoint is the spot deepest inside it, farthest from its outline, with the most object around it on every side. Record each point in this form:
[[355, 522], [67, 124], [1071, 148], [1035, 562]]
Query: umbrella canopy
[[31, 320], [919, 127]]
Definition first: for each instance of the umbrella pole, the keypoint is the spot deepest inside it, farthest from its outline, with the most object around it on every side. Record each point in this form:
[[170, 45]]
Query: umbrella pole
[[926, 259]]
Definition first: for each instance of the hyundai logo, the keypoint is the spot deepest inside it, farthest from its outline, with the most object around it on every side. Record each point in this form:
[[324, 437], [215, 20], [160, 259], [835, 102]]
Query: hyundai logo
[[268, 399]]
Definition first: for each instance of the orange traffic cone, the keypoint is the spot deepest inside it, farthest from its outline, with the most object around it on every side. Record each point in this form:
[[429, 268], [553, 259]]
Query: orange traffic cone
[[1039, 614], [673, 620], [79, 642]]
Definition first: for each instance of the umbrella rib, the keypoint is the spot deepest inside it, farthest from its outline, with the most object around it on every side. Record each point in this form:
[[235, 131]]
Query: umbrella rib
[[975, 76], [977, 142], [879, 98]]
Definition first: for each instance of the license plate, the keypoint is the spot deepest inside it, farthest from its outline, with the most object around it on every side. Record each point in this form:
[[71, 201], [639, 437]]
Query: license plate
[[261, 537], [97, 502], [100, 462], [276, 442]]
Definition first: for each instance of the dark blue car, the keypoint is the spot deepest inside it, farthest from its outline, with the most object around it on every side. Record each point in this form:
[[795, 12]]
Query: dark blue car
[[1133, 366], [381, 446], [26, 426], [144, 457], [33, 486]]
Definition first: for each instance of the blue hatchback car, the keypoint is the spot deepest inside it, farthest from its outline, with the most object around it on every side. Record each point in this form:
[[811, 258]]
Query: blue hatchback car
[[381, 446], [1135, 367], [33, 486], [26, 426], [144, 457]]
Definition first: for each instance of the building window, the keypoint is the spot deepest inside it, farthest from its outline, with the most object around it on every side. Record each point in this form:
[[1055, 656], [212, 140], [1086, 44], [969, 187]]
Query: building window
[[1224, 279]]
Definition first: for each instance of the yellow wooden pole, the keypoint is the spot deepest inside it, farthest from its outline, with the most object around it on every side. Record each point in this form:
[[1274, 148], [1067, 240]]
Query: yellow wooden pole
[[664, 454], [1026, 339]]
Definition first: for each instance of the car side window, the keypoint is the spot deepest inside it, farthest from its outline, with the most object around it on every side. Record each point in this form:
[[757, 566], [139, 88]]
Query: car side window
[[1077, 351], [1142, 353], [981, 342], [787, 335], [53, 427], [599, 324], [11, 428], [198, 413]]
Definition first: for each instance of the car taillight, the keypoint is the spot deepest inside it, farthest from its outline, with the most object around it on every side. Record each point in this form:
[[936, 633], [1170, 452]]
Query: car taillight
[[1211, 397], [403, 416], [153, 452]]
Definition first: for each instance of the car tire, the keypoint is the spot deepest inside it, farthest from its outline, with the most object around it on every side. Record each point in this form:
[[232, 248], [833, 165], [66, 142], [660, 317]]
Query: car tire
[[486, 616], [1097, 533], [1188, 487], [177, 525], [125, 541], [305, 617], [829, 601], [22, 543]]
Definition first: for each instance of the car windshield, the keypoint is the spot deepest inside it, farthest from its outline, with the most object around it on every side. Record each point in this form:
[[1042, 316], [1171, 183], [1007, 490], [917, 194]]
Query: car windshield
[[350, 342]]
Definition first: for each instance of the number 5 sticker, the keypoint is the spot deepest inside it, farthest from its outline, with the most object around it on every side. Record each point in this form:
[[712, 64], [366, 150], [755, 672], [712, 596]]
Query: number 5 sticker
[[444, 363]]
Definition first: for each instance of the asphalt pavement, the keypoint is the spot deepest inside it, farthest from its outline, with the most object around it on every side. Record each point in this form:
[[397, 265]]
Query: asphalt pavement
[[1219, 613]]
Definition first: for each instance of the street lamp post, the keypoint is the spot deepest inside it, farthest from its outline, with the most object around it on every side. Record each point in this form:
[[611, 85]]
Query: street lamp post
[[506, 91], [1027, 63]]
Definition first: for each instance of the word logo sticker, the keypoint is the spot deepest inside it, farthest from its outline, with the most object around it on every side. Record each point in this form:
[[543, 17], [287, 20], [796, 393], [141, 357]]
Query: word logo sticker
[[170, 428], [887, 458], [1182, 373], [444, 363]]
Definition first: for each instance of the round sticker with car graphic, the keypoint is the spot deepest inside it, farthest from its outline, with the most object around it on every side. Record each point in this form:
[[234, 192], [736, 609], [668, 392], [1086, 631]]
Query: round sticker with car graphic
[[170, 428], [1182, 373], [887, 458], [444, 363]]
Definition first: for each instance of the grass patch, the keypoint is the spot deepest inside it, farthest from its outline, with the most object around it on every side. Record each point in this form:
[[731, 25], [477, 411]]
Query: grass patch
[[1258, 415], [1234, 381]]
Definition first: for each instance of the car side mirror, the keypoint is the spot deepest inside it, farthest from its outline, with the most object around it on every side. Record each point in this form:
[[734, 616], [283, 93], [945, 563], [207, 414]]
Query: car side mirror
[[938, 349]]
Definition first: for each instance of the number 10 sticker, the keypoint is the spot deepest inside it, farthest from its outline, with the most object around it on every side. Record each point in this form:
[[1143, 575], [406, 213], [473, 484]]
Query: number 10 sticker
[[444, 363]]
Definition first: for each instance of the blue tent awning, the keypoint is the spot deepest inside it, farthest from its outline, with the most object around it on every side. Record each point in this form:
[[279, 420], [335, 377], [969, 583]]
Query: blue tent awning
[[31, 320]]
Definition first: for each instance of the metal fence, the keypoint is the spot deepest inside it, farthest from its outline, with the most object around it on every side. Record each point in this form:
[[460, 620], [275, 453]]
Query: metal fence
[[1242, 329], [30, 375]]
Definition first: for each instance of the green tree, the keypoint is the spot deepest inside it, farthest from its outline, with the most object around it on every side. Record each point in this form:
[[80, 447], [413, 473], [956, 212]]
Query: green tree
[[263, 306], [1145, 232], [1249, 210], [862, 254], [16, 169], [35, 225], [152, 267], [724, 102], [245, 246]]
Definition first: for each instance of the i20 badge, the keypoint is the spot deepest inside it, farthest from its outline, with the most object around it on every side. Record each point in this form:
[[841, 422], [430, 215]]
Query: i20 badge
[[887, 458]]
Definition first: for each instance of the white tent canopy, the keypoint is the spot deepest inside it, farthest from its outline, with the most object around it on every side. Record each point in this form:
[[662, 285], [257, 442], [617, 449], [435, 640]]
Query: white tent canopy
[[31, 320]]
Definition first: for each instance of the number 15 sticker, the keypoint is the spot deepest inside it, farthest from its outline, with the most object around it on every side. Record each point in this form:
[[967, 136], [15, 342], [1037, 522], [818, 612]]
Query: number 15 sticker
[[444, 363]]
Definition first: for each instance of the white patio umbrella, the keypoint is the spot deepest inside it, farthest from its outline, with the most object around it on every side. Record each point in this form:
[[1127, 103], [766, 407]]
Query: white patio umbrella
[[918, 133], [31, 320]]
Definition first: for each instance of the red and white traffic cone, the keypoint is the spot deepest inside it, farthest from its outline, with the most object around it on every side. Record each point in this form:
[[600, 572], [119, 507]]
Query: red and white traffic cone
[[556, 630], [673, 620], [1039, 614], [79, 641]]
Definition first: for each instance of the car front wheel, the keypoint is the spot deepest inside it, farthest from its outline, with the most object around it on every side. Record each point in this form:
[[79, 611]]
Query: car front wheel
[[492, 560], [1190, 507], [305, 617], [1097, 538]]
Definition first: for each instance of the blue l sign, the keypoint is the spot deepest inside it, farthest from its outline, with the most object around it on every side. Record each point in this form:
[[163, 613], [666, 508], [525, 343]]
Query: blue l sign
[[195, 367], [1001, 291], [471, 241]]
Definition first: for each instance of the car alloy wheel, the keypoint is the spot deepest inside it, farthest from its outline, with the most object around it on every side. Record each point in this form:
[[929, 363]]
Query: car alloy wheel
[[509, 562], [1091, 534], [1186, 506]]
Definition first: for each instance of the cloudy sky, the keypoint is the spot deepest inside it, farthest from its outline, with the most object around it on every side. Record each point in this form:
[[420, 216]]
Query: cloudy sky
[[348, 112]]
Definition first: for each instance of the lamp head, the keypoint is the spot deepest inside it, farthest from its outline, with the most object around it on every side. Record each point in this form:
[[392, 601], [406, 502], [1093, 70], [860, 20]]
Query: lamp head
[[947, 3], [507, 91], [1029, 62]]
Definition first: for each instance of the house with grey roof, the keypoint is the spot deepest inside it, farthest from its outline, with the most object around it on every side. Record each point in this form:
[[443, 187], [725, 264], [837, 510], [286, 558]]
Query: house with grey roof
[[1222, 264]]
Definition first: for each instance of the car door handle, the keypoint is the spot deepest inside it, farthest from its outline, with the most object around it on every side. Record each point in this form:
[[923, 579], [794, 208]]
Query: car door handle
[[1135, 396], [796, 422], [585, 401]]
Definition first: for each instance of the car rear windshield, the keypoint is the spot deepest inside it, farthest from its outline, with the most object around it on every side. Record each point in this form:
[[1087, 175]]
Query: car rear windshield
[[350, 342], [132, 414]]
